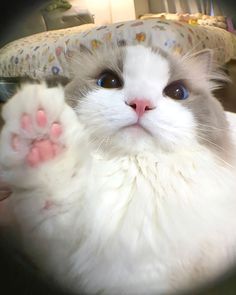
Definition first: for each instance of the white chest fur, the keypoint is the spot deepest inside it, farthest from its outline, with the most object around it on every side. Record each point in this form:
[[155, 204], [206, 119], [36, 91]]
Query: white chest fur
[[141, 225], [156, 223]]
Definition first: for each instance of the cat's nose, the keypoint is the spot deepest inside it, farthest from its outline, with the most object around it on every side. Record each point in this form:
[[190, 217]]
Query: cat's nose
[[141, 106]]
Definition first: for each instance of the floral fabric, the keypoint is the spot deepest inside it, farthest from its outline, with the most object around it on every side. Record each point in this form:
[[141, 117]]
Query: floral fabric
[[47, 54]]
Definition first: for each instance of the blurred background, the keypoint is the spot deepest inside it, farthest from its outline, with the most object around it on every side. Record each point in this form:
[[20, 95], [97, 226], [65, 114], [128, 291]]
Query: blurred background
[[26, 17], [23, 18]]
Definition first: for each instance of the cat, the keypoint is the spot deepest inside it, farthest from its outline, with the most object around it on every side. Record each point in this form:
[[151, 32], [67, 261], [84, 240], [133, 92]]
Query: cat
[[123, 181]]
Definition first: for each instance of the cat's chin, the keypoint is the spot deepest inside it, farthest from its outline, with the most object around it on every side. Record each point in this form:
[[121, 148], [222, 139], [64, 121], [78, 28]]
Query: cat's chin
[[128, 140], [132, 139], [136, 130]]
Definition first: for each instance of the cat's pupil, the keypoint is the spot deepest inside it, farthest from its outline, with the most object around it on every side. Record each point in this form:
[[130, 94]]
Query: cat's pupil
[[109, 80], [176, 90]]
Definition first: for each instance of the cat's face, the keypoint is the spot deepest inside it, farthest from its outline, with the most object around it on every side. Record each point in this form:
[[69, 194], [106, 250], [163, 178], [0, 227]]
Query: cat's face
[[137, 98]]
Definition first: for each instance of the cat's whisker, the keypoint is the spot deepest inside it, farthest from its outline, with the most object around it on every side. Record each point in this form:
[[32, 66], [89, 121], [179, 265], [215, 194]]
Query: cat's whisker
[[99, 148], [206, 130], [215, 128], [192, 51], [224, 162], [219, 148], [210, 126], [211, 142], [216, 146]]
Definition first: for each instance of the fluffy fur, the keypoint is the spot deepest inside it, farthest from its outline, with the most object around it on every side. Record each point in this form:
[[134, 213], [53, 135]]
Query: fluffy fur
[[134, 210]]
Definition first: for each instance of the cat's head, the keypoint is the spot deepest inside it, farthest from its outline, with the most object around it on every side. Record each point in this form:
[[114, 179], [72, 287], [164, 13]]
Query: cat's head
[[138, 98]]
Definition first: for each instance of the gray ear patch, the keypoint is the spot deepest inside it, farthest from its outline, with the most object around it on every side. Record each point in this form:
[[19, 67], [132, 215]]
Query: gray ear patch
[[212, 127], [205, 58], [86, 67], [198, 70]]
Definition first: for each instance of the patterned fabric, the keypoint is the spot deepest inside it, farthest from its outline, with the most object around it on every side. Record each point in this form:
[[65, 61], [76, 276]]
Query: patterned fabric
[[47, 54]]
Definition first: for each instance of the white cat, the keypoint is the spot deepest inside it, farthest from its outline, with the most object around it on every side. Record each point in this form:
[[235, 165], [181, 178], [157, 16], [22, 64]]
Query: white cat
[[125, 183]]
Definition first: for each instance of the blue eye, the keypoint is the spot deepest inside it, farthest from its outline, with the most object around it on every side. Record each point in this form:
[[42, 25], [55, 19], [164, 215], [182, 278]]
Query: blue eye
[[109, 79], [176, 90]]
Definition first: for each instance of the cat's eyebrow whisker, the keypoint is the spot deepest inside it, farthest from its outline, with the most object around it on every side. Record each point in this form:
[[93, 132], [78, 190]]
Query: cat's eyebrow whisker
[[193, 49]]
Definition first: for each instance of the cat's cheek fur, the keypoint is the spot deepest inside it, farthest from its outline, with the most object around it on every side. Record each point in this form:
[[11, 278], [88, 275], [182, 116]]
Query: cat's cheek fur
[[130, 208], [171, 124], [106, 116]]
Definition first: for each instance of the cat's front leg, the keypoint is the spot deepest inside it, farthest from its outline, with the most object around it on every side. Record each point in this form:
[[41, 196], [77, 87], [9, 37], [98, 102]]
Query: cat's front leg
[[44, 158], [42, 144]]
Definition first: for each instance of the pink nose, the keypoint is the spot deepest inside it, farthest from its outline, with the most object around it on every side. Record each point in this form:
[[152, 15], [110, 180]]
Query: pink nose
[[141, 106]]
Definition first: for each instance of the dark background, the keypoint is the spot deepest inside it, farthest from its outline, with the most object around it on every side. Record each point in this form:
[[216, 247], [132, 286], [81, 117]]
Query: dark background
[[229, 7], [16, 277], [12, 15]]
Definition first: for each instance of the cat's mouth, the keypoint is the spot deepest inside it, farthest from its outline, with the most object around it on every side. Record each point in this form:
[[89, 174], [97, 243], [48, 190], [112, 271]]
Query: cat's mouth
[[136, 128]]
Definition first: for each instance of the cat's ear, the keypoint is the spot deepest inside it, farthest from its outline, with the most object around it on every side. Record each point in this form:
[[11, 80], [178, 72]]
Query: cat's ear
[[204, 59], [74, 58]]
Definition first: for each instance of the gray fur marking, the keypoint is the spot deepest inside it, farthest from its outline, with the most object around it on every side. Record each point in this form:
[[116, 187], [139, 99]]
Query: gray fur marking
[[87, 69], [212, 127]]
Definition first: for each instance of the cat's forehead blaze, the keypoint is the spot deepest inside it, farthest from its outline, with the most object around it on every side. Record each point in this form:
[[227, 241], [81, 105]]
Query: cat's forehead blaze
[[146, 63], [137, 63]]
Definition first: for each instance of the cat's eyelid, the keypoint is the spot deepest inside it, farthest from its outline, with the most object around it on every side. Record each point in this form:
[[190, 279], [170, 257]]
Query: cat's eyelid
[[178, 85], [116, 82], [108, 71], [184, 82]]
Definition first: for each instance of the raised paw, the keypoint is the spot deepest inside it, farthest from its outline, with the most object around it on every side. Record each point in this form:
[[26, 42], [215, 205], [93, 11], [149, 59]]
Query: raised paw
[[38, 125], [43, 138]]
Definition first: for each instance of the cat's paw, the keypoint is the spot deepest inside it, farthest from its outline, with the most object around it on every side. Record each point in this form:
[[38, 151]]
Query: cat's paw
[[39, 140], [38, 125]]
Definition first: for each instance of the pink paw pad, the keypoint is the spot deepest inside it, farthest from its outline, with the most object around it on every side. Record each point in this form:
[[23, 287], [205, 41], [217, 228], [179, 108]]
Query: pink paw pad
[[41, 118], [40, 149], [56, 130]]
